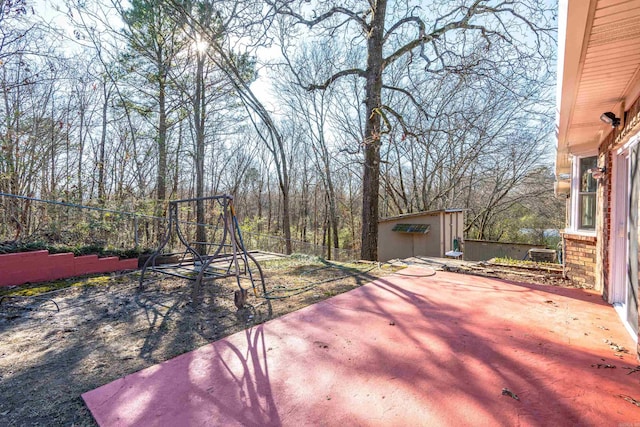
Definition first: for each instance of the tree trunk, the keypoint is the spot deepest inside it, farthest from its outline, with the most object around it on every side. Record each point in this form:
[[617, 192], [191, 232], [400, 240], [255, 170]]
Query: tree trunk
[[333, 210], [269, 205], [371, 172], [286, 219], [161, 174], [103, 142], [259, 228], [176, 169], [304, 203], [199, 118], [330, 188], [80, 152], [282, 168], [329, 223], [53, 153], [161, 190]]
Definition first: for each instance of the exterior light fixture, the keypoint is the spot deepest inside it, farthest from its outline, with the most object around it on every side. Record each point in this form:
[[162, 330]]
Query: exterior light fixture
[[597, 172], [611, 119]]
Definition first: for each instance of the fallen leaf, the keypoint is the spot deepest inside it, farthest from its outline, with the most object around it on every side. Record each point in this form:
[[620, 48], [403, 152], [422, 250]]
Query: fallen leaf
[[507, 392], [630, 399]]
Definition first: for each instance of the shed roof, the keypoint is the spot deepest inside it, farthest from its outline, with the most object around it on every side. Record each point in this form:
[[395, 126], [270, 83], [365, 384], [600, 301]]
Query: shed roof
[[419, 214]]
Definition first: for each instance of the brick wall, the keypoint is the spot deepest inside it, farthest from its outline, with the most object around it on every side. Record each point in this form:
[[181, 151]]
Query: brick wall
[[580, 259], [605, 158]]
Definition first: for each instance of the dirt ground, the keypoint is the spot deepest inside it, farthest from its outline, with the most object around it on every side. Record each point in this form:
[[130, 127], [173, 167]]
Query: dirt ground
[[57, 345], [528, 272], [514, 273]]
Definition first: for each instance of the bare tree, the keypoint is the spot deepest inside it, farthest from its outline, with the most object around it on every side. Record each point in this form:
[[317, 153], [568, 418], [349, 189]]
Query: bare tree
[[390, 31], [238, 18], [310, 109], [155, 37], [13, 27]]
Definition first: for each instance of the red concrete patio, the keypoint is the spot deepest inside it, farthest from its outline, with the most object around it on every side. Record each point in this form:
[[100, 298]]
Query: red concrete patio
[[405, 350]]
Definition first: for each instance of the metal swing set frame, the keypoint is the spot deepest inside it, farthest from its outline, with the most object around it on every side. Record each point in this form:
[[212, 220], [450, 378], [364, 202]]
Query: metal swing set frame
[[230, 258]]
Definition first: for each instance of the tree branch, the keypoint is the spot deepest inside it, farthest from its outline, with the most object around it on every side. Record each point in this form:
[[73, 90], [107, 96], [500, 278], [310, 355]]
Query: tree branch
[[357, 17], [410, 96], [436, 34], [403, 21], [400, 119], [352, 71]]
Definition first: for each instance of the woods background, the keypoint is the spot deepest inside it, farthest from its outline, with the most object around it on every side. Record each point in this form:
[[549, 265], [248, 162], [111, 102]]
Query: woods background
[[318, 117]]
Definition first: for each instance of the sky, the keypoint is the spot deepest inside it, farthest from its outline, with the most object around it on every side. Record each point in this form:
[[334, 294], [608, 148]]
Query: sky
[[56, 14]]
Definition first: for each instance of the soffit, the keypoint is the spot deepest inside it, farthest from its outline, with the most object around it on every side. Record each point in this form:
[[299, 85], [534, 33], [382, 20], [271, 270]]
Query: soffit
[[601, 71]]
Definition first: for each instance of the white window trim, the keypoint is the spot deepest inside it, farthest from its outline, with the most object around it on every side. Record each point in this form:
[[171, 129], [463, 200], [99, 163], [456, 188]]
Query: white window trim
[[635, 139], [575, 191]]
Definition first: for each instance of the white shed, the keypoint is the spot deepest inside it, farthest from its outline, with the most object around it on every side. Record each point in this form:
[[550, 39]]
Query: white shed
[[429, 233]]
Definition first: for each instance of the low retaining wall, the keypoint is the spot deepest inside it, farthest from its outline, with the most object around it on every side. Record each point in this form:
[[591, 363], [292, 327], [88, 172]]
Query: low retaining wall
[[40, 266], [483, 250]]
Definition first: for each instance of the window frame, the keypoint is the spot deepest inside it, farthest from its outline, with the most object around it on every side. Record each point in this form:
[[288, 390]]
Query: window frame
[[576, 198]]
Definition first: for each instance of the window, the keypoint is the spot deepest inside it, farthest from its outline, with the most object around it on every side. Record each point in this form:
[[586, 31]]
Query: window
[[587, 187], [411, 228]]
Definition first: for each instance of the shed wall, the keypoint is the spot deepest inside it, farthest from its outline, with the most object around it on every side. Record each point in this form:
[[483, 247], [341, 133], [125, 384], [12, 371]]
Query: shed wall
[[444, 227], [453, 228], [392, 244]]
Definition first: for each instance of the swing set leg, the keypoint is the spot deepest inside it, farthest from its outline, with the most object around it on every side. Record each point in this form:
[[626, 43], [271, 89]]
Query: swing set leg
[[240, 297]]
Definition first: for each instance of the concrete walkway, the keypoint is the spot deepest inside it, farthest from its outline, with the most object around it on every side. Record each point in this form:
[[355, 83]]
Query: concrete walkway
[[405, 350]]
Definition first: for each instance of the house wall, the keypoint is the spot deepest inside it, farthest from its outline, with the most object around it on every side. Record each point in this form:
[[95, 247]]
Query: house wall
[[587, 257], [608, 150], [605, 158], [580, 259]]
